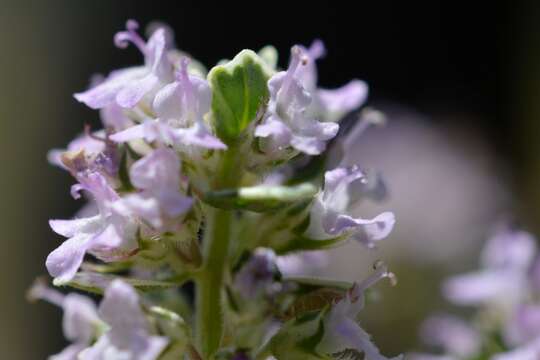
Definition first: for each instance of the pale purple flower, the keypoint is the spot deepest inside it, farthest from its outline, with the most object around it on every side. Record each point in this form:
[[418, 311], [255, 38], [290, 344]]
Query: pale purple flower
[[180, 108], [80, 323], [524, 325], [257, 274], [504, 277], [341, 331], [127, 87], [328, 216], [287, 122], [302, 263], [332, 104], [452, 334], [89, 143], [107, 235], [113, 118], [159, 201], [99, 151], [129, 335]]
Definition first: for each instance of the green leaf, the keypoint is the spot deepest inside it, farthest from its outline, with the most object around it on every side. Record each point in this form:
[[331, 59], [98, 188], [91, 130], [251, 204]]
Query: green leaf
[[310, 344], [239, 90], [96, 283], [260, 198]]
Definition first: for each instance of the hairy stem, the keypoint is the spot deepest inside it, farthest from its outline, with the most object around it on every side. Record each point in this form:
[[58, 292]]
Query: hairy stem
[[217, 233]]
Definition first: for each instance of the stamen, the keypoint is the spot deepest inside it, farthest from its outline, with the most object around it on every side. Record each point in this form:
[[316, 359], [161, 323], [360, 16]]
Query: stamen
[[41, 291], [381, 272], [368, 117], [123, 38]]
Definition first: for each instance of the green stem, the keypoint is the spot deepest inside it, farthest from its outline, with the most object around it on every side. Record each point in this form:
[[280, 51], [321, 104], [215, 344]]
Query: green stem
[[217, 233], [210, 282]]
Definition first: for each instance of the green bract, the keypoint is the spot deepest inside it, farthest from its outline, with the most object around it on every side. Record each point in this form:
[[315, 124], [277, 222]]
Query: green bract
[[239, 89], [260, 198]]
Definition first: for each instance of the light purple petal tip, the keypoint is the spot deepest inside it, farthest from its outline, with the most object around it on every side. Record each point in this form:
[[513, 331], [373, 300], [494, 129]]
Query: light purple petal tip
[[344, 99]]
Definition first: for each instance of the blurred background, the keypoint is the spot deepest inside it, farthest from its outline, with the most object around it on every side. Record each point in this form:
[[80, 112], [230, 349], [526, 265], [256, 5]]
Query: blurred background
[[460, 84]]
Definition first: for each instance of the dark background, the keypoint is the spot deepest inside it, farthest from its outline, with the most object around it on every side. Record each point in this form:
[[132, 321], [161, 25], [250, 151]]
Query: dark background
[[443, 59]]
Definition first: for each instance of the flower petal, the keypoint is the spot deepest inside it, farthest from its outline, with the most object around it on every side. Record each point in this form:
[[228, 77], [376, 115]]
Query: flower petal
[[341, 101], [131, 94], [65, 260], [106, 92]]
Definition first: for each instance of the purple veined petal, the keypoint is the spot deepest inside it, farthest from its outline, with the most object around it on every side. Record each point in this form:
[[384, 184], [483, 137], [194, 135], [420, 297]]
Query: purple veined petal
[[160, 169], [113, 117], [69, 228], [174, 203], [120, 308], [484, 286], [274, 84], [375, 229], [308, 73], [131, 94], [168, 32], [66, 259], [344, 99], [106, 92], [312, 128], [310, 136], [308, 145], [97, 185], [198, 135], [167, 103], [276, 128], [203, 92], [451, 333], [129, 328], [336, 185], [80, 318], [156, 57], [131, 133], [149, 130], [109, 238], [141, 205], [71, 352]]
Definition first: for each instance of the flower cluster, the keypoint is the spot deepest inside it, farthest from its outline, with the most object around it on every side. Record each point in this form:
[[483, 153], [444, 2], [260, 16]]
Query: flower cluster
[[215, 178], [504, 294]]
